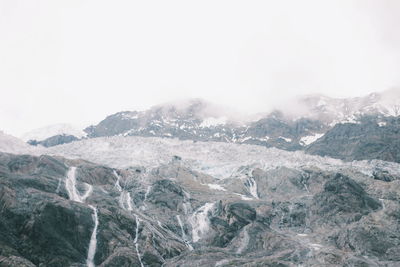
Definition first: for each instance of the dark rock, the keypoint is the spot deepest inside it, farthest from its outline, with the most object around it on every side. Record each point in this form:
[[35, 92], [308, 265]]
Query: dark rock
[[360, 141], [343, 200]]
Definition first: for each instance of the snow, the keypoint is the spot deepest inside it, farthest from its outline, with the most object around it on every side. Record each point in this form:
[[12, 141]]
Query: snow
[[382, 123], [209, 122], [51, 130], [245, 139], [306, 140], [130, 115], [266, 138], [286, 139], [217, 159], [11, 144], [243, 197], [216, 187]]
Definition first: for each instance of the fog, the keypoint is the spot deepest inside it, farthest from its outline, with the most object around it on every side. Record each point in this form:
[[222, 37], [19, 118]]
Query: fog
[[79, 61]]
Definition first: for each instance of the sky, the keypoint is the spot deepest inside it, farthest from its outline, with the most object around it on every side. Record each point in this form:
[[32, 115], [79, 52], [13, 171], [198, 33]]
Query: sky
[[79, 61]]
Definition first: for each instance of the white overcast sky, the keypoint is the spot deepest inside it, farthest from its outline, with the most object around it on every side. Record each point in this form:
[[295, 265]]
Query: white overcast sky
[[78, 61]]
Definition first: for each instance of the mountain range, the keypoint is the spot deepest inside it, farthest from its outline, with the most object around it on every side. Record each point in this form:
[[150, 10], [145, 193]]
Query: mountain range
[[194, 184], [313, 123]]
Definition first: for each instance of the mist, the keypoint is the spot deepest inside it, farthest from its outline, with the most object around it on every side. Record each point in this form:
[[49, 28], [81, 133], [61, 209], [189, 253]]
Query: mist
[[77, 62]]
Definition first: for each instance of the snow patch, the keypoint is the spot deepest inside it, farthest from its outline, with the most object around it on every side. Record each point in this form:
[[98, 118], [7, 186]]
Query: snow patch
[[209, 122], [306, 140], [216, 187], [286, 139]]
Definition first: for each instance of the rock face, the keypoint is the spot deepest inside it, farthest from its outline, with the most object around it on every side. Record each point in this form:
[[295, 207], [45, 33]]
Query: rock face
[[58, 212], [54, 140], [373, 137]]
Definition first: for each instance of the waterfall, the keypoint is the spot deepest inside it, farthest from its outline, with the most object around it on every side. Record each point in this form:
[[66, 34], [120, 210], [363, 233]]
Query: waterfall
[[70, 185], [93, 239], [117, 184], [252, 187], [200, 221], [73, 194], [145, 197], [135, 241], [125, 201], [184, 237]]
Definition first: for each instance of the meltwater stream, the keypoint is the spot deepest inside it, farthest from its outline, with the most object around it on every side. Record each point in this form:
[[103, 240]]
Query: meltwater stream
[[184, 237], [125, 202], [93, 240], [73, 194], [200, 221], [135, 241]]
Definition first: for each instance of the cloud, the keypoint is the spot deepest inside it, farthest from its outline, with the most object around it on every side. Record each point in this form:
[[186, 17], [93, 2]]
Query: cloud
[[78, 61]]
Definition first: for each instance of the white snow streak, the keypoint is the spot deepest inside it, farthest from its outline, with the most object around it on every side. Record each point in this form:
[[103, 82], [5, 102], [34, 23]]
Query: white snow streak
[[306, 140], [200, 221]]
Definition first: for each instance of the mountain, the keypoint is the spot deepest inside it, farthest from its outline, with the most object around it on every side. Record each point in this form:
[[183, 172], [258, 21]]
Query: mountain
[[11, 144], [370, 138], [165, 202], [43, 133], [189, 200], [340, 110], [54, 140], [201, 121], [295, 127]]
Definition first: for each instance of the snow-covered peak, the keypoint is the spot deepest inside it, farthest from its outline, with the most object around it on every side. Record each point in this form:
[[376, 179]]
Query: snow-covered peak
[[335, 110], [209, 122], [197, 108], [51, 130], [11, 144]]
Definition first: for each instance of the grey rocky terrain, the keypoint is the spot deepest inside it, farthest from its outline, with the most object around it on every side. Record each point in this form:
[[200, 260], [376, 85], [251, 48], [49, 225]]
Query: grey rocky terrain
[[373, 137], [71, 212], [191, 185]]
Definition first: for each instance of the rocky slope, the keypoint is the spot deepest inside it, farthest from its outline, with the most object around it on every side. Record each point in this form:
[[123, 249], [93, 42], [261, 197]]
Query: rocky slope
[[297, 126], [54, 140], [371, 138], [199, 204], [195, 121]]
